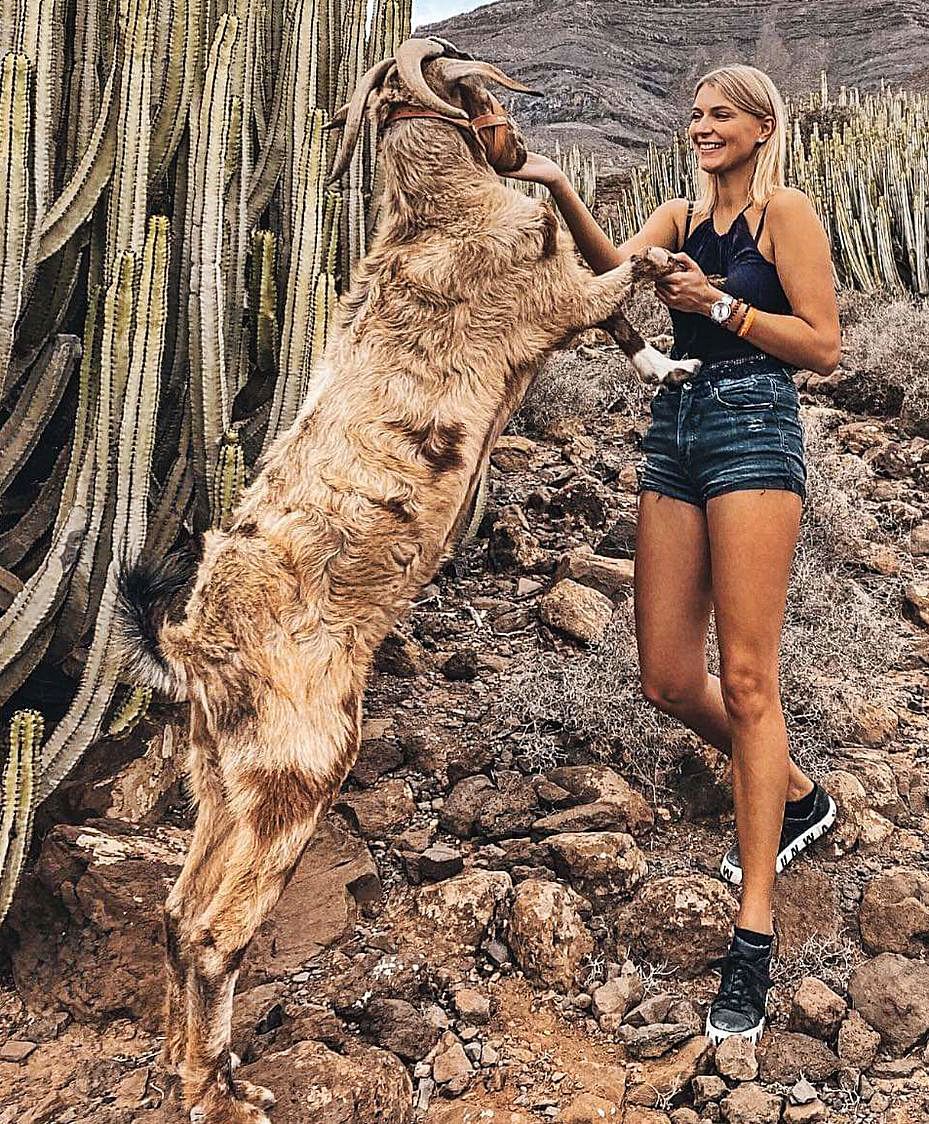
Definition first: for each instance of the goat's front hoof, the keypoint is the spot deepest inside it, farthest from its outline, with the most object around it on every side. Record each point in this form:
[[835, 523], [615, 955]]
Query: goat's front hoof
[[228, 1111], [654, 263], [652, 366]]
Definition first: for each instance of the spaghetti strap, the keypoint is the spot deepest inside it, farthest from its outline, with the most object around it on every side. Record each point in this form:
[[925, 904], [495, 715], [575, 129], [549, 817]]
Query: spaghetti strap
[[690, 211], [760, 224]]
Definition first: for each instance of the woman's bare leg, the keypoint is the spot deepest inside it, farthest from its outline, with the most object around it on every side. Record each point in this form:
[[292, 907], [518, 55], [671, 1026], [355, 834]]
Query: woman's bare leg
[[673, 598], [752, 537]]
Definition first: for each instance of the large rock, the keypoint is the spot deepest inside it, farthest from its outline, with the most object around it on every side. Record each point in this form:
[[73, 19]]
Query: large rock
[[460, 911], [858, 1043], [379, 812], [786, 1057], [577, 610], [477, 807], [892, 994], [651, 1082], [895, 913], [397, 1026], [800, 884], [358, 1086], [610, 576], [750, 1104], [816, 1009], [852, 804], [600, 863], [684, 919], [602, 785], [548, 938], [89, 919]]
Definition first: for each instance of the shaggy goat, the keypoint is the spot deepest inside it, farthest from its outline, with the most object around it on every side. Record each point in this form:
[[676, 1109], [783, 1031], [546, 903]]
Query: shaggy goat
[[466, 288]]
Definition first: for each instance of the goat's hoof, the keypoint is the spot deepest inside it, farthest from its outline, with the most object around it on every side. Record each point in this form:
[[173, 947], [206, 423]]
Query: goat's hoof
[[228, 1112], [255, 1094], [652, 366], [655, 262]]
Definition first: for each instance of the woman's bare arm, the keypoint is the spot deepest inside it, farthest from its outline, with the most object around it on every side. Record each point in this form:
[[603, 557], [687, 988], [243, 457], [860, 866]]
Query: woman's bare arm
[[660, 229]]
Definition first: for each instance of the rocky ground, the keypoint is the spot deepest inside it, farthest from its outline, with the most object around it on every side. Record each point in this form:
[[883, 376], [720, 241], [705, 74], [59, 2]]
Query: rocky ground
[[507, 916]]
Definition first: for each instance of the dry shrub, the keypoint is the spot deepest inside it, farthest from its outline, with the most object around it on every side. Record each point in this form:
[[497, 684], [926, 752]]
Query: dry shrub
[[886, 340], [571, 384]]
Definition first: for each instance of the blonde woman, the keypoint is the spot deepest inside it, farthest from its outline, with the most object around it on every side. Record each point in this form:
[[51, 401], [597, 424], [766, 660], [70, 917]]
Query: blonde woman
[[723, 481]]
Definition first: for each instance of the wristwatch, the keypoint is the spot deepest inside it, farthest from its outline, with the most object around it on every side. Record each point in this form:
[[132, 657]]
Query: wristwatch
[[721, 310]]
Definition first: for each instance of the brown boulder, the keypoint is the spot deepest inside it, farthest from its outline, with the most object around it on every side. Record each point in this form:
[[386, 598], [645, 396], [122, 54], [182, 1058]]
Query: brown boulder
[[816, 1009], [459, 911], [852, 804], [548, 938], [892, 994], [750, 1104], [379, 812], [858, 1043], [311, 1082], [684, 919], [786, 1057], [601, 863], [602, 785], [577, 610], [895, 913]]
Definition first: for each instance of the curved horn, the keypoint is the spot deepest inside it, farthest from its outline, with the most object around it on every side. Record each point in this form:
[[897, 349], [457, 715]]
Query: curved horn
[[371, 78], [451, 51], [411, 55], [338, 118], [454, 69]]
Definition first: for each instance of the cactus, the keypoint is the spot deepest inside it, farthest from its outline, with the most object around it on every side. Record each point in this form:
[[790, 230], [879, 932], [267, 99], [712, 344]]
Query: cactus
[[200, 332], [18, 799]]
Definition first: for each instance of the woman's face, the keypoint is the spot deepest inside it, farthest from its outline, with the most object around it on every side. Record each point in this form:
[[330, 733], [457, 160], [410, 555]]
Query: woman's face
[[723, 135]]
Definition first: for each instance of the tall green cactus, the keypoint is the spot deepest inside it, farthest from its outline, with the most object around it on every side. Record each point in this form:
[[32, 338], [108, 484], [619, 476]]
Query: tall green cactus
[[163, 185]]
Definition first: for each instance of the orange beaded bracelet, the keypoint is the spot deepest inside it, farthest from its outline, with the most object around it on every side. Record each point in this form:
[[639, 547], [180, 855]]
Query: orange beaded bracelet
[[747, 322]]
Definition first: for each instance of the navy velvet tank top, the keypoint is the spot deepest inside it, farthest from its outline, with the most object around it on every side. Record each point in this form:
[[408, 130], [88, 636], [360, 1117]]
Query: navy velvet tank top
[[748, 274]]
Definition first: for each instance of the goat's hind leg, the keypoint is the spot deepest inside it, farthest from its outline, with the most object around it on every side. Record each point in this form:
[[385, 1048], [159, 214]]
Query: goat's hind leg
[[278, 806]]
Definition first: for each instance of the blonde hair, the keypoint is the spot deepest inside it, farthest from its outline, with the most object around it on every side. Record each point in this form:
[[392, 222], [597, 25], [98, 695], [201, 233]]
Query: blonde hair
[[751, 90]]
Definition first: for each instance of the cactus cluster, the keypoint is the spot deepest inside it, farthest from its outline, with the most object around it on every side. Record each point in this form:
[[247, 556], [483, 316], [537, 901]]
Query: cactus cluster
[[580, 169], [169, 261], [861, 158]]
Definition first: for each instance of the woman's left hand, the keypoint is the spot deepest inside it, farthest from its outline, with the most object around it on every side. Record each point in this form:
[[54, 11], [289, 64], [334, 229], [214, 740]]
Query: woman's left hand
[[687, 290]]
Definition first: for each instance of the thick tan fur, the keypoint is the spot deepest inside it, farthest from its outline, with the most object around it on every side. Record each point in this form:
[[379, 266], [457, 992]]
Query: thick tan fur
[[467, 287]]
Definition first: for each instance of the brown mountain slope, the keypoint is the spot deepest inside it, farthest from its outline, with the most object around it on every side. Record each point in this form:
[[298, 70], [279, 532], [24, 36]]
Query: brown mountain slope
[[619, 74]]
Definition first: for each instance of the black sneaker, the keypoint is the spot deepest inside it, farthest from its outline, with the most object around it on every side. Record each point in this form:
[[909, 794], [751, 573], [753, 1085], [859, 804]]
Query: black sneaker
[[796, 836], [739, 1006]]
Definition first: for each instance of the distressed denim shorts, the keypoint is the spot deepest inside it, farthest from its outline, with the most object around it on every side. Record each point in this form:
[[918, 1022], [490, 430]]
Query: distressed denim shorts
[[733, 426]]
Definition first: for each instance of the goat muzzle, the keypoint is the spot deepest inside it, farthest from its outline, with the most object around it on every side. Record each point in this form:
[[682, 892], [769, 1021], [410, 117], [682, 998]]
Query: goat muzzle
[[490, 130]]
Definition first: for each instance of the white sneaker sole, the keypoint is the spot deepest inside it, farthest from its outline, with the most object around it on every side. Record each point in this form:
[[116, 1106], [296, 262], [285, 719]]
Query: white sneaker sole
[[733, 873], [716, 1035]]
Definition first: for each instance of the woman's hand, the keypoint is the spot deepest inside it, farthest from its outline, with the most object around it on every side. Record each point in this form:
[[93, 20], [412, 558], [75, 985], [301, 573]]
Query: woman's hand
[[538, 169], [687, 290]]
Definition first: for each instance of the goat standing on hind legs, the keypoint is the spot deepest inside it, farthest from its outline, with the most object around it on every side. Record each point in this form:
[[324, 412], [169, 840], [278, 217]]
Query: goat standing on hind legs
[[468, 285]]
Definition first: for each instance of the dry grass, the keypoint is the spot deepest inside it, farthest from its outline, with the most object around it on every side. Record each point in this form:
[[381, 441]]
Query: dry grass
[[572, 385], [886, 340]]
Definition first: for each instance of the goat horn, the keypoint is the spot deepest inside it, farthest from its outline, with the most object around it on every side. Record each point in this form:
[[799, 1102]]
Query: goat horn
[[411, 55], [454, 69], [371, 78], [338, 118]]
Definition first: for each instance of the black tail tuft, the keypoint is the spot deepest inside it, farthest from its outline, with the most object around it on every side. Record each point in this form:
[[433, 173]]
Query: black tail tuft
[[146, 594]]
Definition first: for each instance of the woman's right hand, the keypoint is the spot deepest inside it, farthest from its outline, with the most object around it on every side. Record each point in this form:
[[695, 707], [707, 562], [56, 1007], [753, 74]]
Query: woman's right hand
[[538, 169]]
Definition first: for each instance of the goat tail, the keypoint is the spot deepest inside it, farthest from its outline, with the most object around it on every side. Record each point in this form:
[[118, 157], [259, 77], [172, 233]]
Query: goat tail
[[145, 594]]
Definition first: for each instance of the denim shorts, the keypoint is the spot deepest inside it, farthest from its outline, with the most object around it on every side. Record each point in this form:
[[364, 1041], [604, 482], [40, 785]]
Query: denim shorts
[[733, 426]]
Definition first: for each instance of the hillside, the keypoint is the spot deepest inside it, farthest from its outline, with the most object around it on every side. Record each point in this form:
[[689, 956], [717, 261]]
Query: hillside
[[618, 75]]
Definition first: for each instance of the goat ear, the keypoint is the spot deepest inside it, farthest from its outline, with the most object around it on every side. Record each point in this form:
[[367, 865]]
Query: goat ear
[[455, 69]]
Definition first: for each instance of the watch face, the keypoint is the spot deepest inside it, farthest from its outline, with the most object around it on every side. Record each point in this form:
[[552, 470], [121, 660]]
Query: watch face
[[721, 310]]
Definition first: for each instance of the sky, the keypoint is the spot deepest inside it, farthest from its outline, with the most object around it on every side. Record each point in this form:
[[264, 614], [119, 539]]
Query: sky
[[431, 11]]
